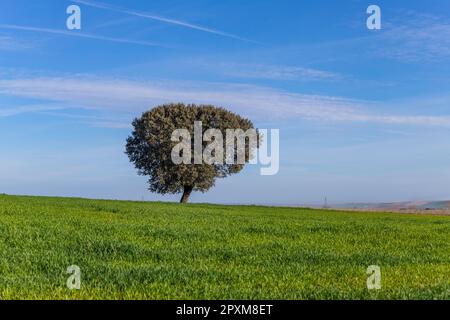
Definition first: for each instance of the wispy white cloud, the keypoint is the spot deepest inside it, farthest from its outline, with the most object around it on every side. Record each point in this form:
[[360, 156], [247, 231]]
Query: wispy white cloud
[[10, 44], [12, 111], [110, 124], [278, 72], [110, 121], [78, 34], [414, 38], [160, 18], [254, 101]]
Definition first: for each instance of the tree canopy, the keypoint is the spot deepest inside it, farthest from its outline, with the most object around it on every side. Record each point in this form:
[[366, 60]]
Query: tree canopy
[[151, 145]]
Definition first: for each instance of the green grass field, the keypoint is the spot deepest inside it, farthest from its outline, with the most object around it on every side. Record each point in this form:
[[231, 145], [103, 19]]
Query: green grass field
[[137, 250]]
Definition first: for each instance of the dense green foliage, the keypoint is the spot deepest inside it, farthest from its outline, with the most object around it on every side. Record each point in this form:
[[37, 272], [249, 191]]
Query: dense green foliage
[[150, 147], [166, 251]]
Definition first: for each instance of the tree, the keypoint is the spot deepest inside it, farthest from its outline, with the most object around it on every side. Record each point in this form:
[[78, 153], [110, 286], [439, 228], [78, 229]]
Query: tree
[[151, 145]]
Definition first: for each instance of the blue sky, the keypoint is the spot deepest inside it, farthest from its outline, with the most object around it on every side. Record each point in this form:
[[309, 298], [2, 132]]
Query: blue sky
[[364, 115]]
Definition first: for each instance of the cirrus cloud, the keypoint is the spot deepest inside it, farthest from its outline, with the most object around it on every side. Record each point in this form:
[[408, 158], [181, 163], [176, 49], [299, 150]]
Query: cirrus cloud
[[127, 96]]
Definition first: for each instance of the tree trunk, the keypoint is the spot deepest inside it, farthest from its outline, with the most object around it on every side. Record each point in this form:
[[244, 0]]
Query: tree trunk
[[186, 193]]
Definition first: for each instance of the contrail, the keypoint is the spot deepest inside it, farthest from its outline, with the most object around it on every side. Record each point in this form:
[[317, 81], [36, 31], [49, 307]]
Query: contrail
[[162, 19], [76, 34]]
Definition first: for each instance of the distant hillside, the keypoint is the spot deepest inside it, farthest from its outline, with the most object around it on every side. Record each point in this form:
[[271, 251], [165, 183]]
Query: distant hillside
[[415, 205]]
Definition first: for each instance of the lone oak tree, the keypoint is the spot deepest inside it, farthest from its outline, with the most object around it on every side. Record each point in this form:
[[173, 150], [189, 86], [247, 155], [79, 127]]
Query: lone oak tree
[[150, 146]]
